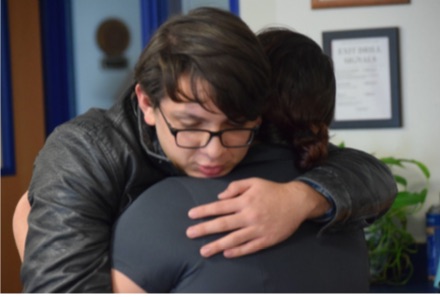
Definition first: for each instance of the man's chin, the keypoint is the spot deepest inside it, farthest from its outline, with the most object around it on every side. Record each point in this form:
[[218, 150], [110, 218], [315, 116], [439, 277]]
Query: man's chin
[[209, 173]]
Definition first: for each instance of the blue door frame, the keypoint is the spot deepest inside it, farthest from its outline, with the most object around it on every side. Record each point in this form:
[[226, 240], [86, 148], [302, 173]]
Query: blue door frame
[[8, 155], [58, 75]]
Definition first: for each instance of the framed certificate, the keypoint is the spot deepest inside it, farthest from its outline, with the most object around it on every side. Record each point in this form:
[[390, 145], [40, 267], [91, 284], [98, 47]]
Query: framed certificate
[[366, 64]]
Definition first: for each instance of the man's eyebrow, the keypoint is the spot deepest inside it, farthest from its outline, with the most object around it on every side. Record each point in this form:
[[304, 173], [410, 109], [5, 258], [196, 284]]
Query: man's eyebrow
[[187, 116], [201, 120]]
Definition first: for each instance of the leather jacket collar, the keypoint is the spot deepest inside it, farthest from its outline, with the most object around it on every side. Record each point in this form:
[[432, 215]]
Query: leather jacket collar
[[149, 140]]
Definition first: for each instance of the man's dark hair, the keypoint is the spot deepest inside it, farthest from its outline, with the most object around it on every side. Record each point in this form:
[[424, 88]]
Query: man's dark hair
[[302, 100], [210, 45]]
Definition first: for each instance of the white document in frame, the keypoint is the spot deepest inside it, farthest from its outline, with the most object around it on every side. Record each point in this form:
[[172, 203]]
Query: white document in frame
[[362, 69]]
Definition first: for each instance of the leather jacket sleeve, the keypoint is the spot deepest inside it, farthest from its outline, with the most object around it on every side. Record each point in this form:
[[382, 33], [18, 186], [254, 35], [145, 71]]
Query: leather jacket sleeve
[[82, 178], [73, 195], [361, 186]]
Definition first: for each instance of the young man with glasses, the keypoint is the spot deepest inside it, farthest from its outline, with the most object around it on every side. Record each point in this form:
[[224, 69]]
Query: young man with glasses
[[203, 71]]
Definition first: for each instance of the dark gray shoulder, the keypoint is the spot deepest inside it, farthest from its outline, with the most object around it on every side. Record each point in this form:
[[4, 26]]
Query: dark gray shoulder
[[271, 162], [184, 190]]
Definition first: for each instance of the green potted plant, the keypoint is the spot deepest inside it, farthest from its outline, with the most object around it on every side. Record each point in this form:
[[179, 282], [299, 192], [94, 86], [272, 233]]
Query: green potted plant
[[390, 244]]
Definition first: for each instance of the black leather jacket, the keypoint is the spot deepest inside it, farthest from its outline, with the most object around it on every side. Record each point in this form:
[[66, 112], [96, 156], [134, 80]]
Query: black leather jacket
[[92, 167]]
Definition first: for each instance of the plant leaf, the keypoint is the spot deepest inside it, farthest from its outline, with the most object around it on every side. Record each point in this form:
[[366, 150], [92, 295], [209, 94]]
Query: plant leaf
[[400, 180], [392, 161], [422, 167], [406, 198]]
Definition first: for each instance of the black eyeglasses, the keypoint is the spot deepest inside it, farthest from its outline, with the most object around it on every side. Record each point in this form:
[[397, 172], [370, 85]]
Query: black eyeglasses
[[199, 138]]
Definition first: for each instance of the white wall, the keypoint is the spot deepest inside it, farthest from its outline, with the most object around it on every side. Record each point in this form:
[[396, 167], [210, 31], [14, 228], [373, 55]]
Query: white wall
[[419, 24]]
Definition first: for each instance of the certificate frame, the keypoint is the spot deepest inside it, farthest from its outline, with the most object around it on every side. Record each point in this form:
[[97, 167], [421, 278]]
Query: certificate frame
[[368, 95], [317, 4]]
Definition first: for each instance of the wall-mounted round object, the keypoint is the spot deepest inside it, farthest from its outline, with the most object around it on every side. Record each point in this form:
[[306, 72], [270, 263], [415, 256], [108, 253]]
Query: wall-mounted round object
[[113, 38]]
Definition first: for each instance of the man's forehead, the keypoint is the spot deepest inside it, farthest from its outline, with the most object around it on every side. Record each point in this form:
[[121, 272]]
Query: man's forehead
[[187, 85], [194, 109], [197, 91]]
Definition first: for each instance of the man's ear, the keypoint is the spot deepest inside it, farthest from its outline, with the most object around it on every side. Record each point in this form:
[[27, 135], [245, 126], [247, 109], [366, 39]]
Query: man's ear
[[145, 105]]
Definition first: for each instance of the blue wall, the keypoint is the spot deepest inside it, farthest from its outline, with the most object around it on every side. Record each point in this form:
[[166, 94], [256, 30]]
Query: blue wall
[[96, 86]]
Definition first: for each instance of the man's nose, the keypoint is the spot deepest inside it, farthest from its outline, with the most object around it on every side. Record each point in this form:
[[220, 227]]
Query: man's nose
[[214, 148]]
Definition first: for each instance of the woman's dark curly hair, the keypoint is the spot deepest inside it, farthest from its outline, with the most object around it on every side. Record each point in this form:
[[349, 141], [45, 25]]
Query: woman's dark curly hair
[[302, 100]]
